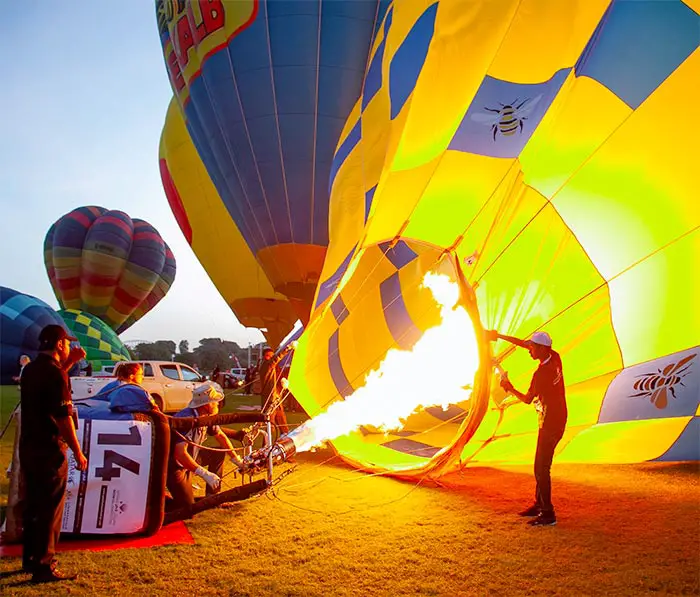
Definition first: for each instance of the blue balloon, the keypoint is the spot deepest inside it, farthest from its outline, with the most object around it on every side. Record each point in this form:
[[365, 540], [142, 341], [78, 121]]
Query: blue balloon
[[22, 317], [265, 88]]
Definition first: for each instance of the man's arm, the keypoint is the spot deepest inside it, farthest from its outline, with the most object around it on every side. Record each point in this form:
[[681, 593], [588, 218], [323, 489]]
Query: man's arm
[[493, 335], [278, 357], [526, 398], [67, 431], [183, 458], [226, 444]]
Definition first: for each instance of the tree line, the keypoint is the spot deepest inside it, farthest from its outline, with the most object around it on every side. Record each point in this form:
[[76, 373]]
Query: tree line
[[210, 353]]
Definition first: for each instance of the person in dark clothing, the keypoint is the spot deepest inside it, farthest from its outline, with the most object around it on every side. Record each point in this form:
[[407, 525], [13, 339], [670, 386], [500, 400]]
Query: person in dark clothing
[[548, 387], [269, 373], [47, 428], [185, 459], [215, 374]]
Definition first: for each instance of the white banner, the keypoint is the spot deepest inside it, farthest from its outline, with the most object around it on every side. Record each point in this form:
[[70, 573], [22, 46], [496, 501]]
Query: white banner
[[111, 496]]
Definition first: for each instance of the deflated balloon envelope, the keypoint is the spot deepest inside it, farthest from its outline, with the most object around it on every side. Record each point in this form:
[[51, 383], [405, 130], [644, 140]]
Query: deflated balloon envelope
[[530, 142], [265, 88], [106, 264]]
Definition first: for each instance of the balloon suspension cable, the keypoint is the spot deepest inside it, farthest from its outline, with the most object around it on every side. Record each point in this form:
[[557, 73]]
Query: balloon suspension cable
[[13, 414]]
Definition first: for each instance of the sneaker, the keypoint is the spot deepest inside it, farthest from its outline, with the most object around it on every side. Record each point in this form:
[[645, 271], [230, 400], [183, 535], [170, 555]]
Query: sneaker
[[533, 510], [51, 573], [543, 520]]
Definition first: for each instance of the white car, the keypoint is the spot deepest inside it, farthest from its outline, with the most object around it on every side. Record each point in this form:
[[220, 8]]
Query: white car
[[170, 384]]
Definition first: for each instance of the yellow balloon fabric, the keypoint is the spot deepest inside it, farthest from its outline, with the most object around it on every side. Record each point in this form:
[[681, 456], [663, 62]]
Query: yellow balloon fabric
[[535, 148], [214, 236]]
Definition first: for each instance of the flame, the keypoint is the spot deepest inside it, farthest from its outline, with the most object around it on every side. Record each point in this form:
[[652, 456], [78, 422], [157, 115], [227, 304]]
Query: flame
[[447, 357]]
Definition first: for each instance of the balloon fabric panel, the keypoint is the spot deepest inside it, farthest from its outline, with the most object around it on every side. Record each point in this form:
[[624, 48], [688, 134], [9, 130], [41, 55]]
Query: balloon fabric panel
[[22, 317]]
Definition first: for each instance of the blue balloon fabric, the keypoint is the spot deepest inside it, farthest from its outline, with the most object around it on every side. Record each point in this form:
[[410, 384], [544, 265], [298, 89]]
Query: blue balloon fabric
[[22, 317]]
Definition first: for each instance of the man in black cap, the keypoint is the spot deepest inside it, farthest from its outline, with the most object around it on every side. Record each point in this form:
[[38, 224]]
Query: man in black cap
[[47, 428]]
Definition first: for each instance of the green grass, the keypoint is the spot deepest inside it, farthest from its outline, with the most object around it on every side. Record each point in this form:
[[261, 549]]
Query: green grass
[[9, 396], [329, 530]]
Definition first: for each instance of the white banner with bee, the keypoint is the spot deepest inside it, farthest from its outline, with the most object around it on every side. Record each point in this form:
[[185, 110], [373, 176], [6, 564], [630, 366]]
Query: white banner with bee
[[665, 387], [111, 495]]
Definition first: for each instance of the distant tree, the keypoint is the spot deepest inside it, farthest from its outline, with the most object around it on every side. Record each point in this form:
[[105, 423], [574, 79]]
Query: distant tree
[[188, 358], [162, 350], [183, 347]]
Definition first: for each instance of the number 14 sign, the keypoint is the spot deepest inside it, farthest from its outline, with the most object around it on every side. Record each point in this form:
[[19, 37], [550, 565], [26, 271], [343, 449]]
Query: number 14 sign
[[111, 496]]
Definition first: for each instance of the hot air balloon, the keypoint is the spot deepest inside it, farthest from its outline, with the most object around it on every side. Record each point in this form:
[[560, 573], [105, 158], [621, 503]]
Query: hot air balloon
[[106, 264], [265, 88], [22, 317], [100, 342], [527, 152], [214, 236]]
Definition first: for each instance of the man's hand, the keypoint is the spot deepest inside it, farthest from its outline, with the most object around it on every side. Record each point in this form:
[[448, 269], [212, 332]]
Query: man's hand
[[507, 386], [77, 353], [491, 335], [294, 344], [211, 479], [80, 461]]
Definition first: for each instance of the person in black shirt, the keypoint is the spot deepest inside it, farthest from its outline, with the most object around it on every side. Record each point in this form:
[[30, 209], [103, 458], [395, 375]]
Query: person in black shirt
[[270, 377], [47, 428], [548, 387]]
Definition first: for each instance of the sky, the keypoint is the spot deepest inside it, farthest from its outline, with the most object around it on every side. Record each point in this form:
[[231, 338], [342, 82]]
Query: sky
[[85, 92]]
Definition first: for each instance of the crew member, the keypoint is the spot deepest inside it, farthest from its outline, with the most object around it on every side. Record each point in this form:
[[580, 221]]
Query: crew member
[[186, 457], [126, 394], [547, 386], [270, 377], [47, 428]]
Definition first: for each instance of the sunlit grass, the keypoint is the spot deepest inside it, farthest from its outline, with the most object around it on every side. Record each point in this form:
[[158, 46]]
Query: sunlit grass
[[329, 530]]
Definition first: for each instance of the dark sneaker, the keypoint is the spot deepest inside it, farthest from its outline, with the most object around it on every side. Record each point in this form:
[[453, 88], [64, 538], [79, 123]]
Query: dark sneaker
[[51, 574], [533, 510], [543, 520]]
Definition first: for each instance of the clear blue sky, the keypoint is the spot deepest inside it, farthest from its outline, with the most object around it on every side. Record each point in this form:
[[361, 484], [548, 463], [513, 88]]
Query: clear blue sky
[[84, 96]]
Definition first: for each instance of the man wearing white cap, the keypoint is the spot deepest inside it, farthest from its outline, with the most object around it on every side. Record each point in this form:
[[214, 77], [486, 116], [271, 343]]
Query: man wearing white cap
[[185, 457], [548, 387]]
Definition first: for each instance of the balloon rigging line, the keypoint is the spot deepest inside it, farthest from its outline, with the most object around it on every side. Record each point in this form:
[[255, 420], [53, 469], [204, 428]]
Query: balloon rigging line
[[351, 509], [217, 161], [313, 155], [279, 132], [511, 349], [232, 161]]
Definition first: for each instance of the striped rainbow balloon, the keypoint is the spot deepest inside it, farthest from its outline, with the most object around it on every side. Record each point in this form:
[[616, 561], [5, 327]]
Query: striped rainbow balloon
[[104, 263]]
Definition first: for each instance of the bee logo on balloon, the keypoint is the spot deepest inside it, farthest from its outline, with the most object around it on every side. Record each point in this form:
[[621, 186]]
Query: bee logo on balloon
[[509, 118], [658, 385]]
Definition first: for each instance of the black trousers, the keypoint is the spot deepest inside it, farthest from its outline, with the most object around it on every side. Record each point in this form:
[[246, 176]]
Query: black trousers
[[547, 441], [43, 508], [179, 481]]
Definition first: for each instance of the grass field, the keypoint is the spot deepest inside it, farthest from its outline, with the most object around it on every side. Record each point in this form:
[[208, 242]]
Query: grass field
[[329, 530]]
